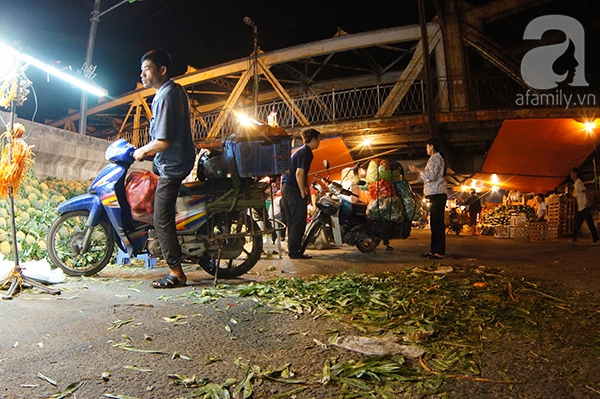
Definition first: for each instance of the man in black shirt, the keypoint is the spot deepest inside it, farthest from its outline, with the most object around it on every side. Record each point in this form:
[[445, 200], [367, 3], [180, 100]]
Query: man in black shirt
[[296, 191]]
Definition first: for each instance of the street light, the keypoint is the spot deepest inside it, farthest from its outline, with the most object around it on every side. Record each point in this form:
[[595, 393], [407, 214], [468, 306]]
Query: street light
[[251, 23], [87, 65], [13, 92]]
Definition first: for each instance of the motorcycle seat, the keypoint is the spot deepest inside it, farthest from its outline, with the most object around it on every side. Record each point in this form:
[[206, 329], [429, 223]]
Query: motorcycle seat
[[213, 187], [359, 208], [193, 188]]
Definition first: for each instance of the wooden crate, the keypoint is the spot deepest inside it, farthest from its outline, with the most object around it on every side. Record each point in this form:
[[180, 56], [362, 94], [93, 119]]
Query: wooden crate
[[522, 232], [501, 231], [561, 212], [543, 231]]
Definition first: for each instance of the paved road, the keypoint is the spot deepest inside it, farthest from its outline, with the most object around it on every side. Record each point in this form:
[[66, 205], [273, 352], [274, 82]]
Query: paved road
[[576, 265]]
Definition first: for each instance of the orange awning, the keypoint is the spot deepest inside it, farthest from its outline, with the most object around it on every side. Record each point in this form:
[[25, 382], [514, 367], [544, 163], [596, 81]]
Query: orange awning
[[333, 149], [536, 155]]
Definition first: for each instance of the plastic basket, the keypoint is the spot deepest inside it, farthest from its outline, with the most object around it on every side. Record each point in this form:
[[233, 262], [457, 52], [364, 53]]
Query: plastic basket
[[257, 158]]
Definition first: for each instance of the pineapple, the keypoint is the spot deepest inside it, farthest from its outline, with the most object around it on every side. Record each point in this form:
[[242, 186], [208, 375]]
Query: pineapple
[[5, 248]]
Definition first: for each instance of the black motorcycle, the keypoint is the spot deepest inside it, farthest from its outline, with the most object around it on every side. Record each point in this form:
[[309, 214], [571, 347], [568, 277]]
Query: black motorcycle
[[336, 216], [455, 222]]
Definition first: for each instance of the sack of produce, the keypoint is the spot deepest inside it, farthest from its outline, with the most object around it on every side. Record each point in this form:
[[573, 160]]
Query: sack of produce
[[140, 188], [382, 189], [372, 171], [389, 208], [412, 204], [383, 169]]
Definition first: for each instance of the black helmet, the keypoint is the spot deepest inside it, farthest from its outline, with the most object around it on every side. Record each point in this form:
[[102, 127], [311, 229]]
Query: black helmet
[[213, 164]]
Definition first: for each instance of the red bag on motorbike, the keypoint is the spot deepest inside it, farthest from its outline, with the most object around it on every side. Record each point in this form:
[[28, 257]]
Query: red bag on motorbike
[[140, 188]]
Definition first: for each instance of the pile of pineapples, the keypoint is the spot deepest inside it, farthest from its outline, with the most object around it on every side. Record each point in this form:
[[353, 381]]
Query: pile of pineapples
[[35, 205]]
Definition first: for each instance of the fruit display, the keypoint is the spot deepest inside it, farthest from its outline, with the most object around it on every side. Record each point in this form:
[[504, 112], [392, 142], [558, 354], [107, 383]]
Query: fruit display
[[501, 215], [35, 209]]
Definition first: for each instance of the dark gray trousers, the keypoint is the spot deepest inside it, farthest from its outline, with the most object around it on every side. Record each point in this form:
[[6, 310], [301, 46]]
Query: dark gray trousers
[[164, 220], [293, 207]]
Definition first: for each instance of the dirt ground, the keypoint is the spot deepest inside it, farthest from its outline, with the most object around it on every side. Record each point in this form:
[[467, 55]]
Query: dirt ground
[[89, 334]]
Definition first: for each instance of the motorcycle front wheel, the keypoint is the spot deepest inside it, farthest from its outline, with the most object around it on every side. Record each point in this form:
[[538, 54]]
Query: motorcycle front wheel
[[66, 247], [311, 234], [240, 247]]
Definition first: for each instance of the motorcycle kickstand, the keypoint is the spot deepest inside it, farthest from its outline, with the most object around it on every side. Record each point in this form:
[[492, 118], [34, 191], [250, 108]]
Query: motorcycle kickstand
[[388, 247], [219, 250]]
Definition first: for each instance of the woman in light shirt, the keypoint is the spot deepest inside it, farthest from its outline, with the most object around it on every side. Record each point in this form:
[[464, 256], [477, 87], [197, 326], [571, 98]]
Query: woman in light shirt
[[433, 177]]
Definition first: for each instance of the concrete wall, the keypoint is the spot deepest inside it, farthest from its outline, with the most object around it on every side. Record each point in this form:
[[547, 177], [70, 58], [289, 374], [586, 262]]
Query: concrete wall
[[63, 154]]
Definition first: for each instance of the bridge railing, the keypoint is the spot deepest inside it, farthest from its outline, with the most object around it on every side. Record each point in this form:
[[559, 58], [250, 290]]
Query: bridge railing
[[496, 92]]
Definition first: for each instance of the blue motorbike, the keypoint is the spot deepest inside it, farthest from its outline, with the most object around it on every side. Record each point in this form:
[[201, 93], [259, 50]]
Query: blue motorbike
[[216, 220]]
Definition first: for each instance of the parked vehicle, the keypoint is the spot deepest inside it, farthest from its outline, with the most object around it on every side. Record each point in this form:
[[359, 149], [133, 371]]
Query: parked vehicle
[[216, 220], [455, 220], [342, 221]]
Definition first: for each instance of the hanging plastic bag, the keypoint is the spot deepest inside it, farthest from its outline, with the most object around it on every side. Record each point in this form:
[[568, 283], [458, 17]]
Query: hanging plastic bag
[[140, 188]]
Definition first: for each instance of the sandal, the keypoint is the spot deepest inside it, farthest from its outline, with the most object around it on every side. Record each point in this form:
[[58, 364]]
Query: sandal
[[168, 281], [436, 256]]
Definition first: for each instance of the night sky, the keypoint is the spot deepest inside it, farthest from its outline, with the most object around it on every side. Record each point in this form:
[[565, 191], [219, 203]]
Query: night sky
[[199, 33]]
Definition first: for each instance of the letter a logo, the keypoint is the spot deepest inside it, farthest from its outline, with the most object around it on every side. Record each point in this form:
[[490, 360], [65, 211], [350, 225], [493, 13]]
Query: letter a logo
[[537, 65]]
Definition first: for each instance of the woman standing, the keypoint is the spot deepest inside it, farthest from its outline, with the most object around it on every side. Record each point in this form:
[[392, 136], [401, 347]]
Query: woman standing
[[434, 189]]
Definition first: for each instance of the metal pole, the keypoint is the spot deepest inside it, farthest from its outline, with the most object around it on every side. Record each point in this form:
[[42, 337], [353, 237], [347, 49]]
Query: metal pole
[[425, 39], [115, 6], [254, 65], [11, 199], [255, 72], [88, 61]]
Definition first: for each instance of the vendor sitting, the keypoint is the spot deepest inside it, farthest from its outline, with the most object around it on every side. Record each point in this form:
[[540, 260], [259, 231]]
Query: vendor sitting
[[542, 209]]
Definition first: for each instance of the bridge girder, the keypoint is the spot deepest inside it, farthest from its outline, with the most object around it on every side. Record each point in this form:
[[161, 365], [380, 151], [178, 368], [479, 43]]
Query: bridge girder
[[456, 28]]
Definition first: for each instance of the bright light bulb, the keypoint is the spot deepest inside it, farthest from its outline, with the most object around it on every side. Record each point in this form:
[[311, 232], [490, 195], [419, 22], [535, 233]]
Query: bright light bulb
[[589, 126], [82, 84], [495, 179], [247, 120], [367, 142]]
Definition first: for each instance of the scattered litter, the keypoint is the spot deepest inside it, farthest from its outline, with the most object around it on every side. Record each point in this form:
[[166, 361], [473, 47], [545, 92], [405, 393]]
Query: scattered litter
[[378, 346], [438, 270], [443, 270], [38, 270], [51, 381]]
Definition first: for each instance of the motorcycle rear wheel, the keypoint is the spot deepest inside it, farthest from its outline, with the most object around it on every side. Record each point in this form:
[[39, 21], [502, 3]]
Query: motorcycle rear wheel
[[367, 244], [64, 244], [241, 249]]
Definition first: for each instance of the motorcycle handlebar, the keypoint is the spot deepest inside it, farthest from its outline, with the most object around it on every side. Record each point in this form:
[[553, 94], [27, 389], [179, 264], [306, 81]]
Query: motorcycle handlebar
[[338, 186]]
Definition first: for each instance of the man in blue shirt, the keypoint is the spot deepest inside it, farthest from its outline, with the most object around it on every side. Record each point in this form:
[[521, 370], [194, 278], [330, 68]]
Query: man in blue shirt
[[175, 153], [296, 191]]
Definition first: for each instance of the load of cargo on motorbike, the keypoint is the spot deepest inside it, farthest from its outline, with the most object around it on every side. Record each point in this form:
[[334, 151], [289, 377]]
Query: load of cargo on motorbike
[[393, 205], [259, 156]]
